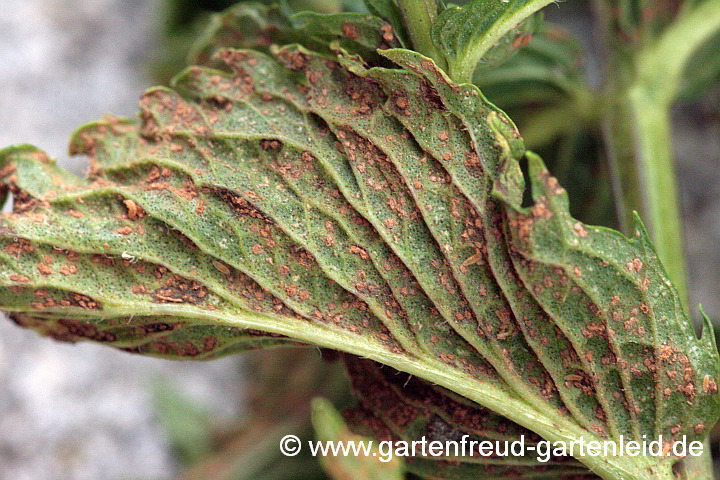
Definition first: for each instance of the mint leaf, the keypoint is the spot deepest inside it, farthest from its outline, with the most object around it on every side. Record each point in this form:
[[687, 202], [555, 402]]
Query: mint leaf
[[356, 32], [308, 198], [245, 25], [388, 10]]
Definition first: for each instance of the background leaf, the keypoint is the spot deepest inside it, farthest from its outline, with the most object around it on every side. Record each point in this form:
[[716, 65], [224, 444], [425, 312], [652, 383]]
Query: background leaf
[[544, 89], [388, 10], [282, 384], [258, 26], [466, 34], [330, 427]]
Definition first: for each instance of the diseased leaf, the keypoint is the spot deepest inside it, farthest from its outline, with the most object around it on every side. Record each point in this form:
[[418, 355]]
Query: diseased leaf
[[388, 10], [402, 408], [484, 30], [547, 71], [544, 90], [245, 25], [356, 32], [257, 26], [308, 198]]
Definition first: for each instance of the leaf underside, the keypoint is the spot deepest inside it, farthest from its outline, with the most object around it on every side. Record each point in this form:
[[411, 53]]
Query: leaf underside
[[396, 407], [303, 197]]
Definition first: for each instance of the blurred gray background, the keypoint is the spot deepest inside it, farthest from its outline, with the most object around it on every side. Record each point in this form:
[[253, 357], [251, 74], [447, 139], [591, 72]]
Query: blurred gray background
[[86, 412], [81, 412]]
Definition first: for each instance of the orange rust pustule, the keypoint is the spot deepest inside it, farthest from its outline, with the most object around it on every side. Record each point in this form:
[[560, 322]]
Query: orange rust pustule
[[86, 330], [19, 246], [363, 421], [294, 60], [158, 327], [260, 333], [72, 299], [376, 395], [165, 346], [271, 145]]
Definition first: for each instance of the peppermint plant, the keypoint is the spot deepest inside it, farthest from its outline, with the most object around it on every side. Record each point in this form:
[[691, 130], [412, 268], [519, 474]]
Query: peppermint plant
[[341, 180]]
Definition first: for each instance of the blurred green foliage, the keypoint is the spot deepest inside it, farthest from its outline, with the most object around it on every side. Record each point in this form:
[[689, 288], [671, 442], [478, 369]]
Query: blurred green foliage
[[186, 422]]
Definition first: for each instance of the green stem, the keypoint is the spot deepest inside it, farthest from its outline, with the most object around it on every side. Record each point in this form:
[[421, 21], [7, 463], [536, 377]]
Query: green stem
[[419, 16], [662, 65], [660, 69], [651, 132], [639, 132]]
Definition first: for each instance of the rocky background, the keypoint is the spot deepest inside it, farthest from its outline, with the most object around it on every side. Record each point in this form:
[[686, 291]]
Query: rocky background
[[82, 411]]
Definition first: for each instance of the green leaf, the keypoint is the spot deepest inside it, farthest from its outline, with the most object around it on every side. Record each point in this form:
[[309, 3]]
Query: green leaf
[[257, 26], [466, 35], [401, 408], [185, 420], [307, 198], [548, 71], [388, 10], [702, 71], [356, 32], [641, 21], [330, 428]]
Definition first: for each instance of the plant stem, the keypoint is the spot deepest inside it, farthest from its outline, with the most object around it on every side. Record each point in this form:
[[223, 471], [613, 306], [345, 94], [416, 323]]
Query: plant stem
[[653, 158], [643, 87], [637, 130], [662, 65], [419, 16], [639, 133]]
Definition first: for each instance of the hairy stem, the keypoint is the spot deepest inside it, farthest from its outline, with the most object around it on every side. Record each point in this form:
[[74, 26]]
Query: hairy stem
[[651, 132], [640, 147], [419, 16], [638, 131]]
